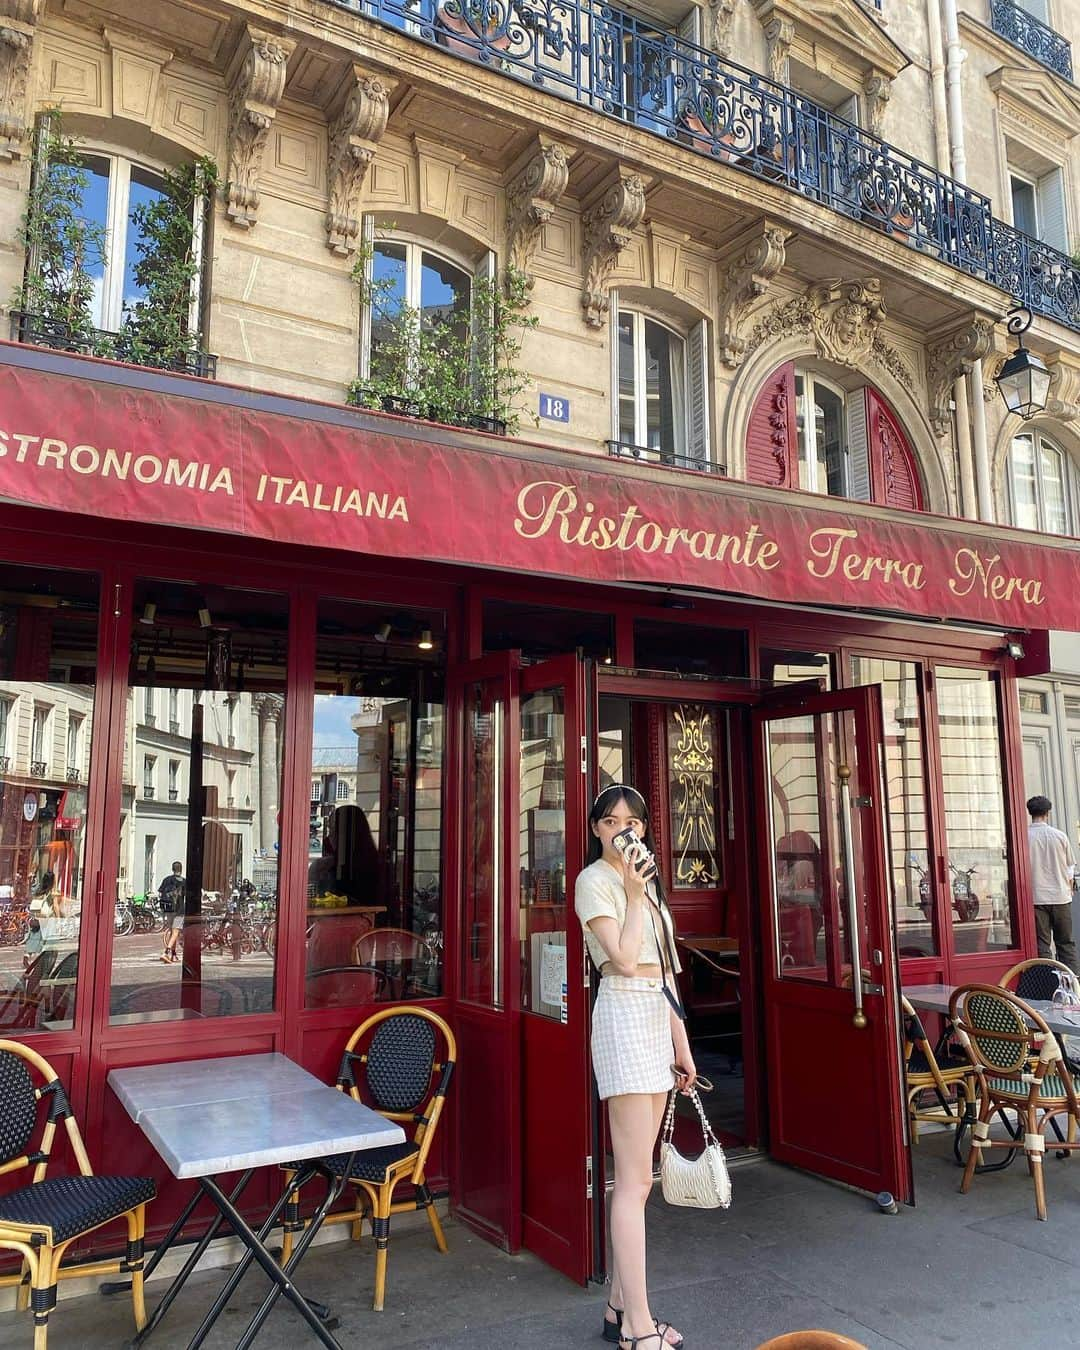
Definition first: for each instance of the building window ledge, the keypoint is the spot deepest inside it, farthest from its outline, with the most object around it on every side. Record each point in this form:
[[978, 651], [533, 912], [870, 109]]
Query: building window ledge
[[41, 331], [642, 454]]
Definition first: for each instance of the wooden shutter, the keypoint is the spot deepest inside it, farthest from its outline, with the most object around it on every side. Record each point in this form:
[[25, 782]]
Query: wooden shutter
[[1053, 216], [367, 242], [697, 391], [483, 358], [771, 437], [858, 447], [892, 461]]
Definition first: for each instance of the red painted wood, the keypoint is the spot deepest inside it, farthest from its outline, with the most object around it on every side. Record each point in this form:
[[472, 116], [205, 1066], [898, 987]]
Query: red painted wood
[[893, 469], [771, 435]]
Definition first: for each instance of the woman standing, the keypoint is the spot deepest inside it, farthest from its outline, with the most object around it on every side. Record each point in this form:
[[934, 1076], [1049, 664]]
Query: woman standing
[[639, 1044]]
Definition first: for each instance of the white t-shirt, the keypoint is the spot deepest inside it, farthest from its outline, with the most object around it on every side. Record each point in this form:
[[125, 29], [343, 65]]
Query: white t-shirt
[[1052, 865], [599, 891]]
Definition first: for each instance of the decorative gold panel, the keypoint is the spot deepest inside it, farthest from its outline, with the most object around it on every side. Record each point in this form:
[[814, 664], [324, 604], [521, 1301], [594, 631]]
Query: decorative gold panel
[[692, 778]]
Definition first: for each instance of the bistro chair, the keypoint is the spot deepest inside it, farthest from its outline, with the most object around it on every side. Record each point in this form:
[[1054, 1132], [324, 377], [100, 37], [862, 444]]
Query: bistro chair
[[1019, 1067], [405, 1077], [951, 1080], [812, 1340], [404, 957], [344, 986], [1037, 978], [41, 1220]]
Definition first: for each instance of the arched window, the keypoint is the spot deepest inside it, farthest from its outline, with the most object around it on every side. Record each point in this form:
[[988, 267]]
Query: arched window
[[1044, 490], [810, 432], [660, 402]]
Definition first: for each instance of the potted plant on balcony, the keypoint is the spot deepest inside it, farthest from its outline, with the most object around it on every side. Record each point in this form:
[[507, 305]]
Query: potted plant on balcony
[[461, 367], [65, 252]]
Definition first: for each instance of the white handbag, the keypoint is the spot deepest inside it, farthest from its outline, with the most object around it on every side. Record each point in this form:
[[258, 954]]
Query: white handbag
[[701, 1182]]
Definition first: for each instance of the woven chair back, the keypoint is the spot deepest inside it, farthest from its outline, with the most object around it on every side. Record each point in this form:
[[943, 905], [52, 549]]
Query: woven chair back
[[18, 1106], [1037, 979], [400, 1063], [997, 1031]]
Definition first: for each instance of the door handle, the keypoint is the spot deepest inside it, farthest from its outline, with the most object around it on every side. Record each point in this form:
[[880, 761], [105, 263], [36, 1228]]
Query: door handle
[[843, 772]]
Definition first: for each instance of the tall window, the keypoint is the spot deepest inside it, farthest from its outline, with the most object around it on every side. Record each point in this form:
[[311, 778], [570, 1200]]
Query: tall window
[[408, 275], [833, 456], [149, 765], [1038, 206], [174, 710], [174, 780], [149, 864], [661, 400], [149, 706], [39, 740], [74, 742], [5, 718], [1043, 485]]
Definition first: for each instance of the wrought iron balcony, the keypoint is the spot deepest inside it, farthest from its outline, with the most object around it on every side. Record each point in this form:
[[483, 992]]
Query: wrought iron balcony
[[148, 792], [586, 51], [644, 455], [46, 332], [39, 768], [5, 763], [73, 774], [1031, 35]]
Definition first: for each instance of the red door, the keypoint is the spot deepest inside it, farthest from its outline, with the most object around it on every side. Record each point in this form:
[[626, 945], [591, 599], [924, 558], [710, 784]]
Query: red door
[[557, 1095], [524, 1095], [829, 970]]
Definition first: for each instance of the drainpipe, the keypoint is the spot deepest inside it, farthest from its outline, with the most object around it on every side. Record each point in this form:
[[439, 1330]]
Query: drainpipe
[[981, 500], [937, 85], [962, 422]]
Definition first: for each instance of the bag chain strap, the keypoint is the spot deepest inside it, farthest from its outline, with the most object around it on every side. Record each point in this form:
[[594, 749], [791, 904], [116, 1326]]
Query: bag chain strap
[[669, 1119]]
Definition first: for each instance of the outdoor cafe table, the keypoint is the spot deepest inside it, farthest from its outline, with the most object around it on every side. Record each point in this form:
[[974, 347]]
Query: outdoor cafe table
[[935, 998], [207, 1117]]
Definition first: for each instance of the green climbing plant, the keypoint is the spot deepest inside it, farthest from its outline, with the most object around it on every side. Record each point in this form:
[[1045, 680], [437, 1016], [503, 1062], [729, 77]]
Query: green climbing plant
[[460, 367]]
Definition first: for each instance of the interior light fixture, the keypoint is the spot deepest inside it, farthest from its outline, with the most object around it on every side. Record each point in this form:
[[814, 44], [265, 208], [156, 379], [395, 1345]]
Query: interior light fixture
[[607, 658], [1015, 649], [1023, 381], [149, 612], [205, 621], [382, 633], [426, 642]]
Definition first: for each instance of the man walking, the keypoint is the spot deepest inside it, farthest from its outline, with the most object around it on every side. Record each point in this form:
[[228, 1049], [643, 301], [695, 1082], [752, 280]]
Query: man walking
[[172, 896], [1052, 871]]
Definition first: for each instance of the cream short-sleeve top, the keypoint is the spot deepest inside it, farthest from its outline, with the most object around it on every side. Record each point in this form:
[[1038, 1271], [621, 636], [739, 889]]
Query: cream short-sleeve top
[[599, 891]]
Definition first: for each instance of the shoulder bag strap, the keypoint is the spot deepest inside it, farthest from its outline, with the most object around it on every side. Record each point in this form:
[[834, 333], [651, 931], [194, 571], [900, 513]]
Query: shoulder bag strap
[[667, 967]]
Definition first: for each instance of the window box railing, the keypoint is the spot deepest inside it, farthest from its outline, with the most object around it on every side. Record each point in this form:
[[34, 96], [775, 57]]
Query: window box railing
[[642, 454], [5, 763], [39, 768], [45, 332], [402, 406], [598, 56], [174, 728], [73, 774], [1031, 35], [174, 794], [148, 793]]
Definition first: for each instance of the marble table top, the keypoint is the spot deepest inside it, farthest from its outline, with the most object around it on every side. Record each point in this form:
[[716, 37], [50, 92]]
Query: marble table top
[[245, 1111], [935, 998]]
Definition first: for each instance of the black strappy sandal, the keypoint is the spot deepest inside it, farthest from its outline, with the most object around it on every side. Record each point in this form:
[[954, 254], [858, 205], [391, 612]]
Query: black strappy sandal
[[612, 1332], [630, 1342]]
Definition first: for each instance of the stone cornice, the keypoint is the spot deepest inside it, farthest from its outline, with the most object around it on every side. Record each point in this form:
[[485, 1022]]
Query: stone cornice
[[1034, 91], [840, 28]]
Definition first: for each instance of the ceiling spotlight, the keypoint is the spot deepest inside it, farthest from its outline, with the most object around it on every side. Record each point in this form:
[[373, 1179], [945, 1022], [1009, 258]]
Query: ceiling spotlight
[[426, 642], [607, 658], [382, 633], [1015, 649], [205, 621], [149, 612]]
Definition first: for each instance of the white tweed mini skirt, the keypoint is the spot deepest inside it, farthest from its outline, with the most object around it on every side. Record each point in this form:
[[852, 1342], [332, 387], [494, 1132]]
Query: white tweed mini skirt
[[631, 1037]]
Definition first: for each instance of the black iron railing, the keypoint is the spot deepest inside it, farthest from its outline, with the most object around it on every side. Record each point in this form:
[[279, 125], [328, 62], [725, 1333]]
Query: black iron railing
[[595, 55], [644, 455], [73, 775], [38, 768], [1031, 35], [64, 337]]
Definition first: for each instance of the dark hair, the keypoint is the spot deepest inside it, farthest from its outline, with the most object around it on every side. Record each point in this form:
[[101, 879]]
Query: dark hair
[[1039, 806], [605, 800]]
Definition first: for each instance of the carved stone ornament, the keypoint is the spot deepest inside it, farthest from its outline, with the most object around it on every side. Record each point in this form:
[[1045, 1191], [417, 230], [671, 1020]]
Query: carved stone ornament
[[608, 228], [254, 94], [354, 135], [779, 34], [1063, 401], [721, 17], [745, 280], [878, 91], [951, 357], [18, 20], [531, 197]]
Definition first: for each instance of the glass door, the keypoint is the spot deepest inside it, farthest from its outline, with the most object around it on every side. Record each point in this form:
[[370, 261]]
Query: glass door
[[829, 977]]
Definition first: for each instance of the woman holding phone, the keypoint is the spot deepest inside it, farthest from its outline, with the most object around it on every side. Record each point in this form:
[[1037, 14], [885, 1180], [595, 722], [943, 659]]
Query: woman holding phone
[[640, 1049]]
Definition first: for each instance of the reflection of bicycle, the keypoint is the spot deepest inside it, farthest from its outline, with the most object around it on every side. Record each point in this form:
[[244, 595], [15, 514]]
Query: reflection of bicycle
[[925, 903]]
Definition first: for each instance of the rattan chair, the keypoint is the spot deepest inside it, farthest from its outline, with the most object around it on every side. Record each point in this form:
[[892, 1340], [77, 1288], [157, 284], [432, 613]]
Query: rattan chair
[[1020, 1068], [1037, 978], [406, 1076], [400, 955], [41, 1220], [952, 1082]]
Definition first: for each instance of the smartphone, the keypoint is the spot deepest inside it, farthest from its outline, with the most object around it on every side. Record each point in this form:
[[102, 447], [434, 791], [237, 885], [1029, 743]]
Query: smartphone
[[630, 847]]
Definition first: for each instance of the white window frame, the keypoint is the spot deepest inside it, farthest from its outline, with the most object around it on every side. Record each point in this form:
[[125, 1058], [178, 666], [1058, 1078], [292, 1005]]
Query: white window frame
[[149, 705], [174, 779], [343, 791], [1053, 181], [857, 478], [149, 863], [40, 734], [1070, 487], [174, 710], [149, 776], [316, 790], [74, 740], [7, 716], [696, 445]]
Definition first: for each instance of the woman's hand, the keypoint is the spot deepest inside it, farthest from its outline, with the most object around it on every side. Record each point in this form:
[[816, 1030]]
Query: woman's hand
[[636, 873], [685, 1073]]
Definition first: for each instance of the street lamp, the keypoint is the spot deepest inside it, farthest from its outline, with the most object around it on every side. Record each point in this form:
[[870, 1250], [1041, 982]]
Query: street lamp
[[1023, 380]]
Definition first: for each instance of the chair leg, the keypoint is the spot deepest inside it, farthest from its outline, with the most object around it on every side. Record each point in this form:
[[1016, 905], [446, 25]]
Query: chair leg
[[380, 1226], [973, 1153], [1035, 1159], [43, 1295], [22, 1295], [290, 1221], [136, 1239], [356, 1228], [423, 1197]]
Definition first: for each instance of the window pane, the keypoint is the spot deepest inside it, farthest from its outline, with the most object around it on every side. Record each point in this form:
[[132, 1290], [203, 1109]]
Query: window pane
[[1023, 207], [444, 293], [374, 912], [48, 660], [627, 422], [1025, 501], [145, 189], [542, 835], [829, 421], [974, 809], [197, 872], [805, 432], [1052, 464], [388, 275], [665, 389], [788, 667], [908, 839], [694, 796], [94, 209]]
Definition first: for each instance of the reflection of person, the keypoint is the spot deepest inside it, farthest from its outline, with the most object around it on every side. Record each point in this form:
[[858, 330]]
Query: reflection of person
[[798, 890], [172, 896], [635, 1034], [350, 862], [1052, 870]]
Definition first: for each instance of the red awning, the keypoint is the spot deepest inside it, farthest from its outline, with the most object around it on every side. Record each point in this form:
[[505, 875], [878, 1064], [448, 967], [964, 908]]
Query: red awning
[[93, 437]]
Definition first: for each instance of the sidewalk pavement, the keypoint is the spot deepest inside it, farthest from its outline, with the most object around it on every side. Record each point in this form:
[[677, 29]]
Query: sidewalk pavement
[[792, 1253]]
